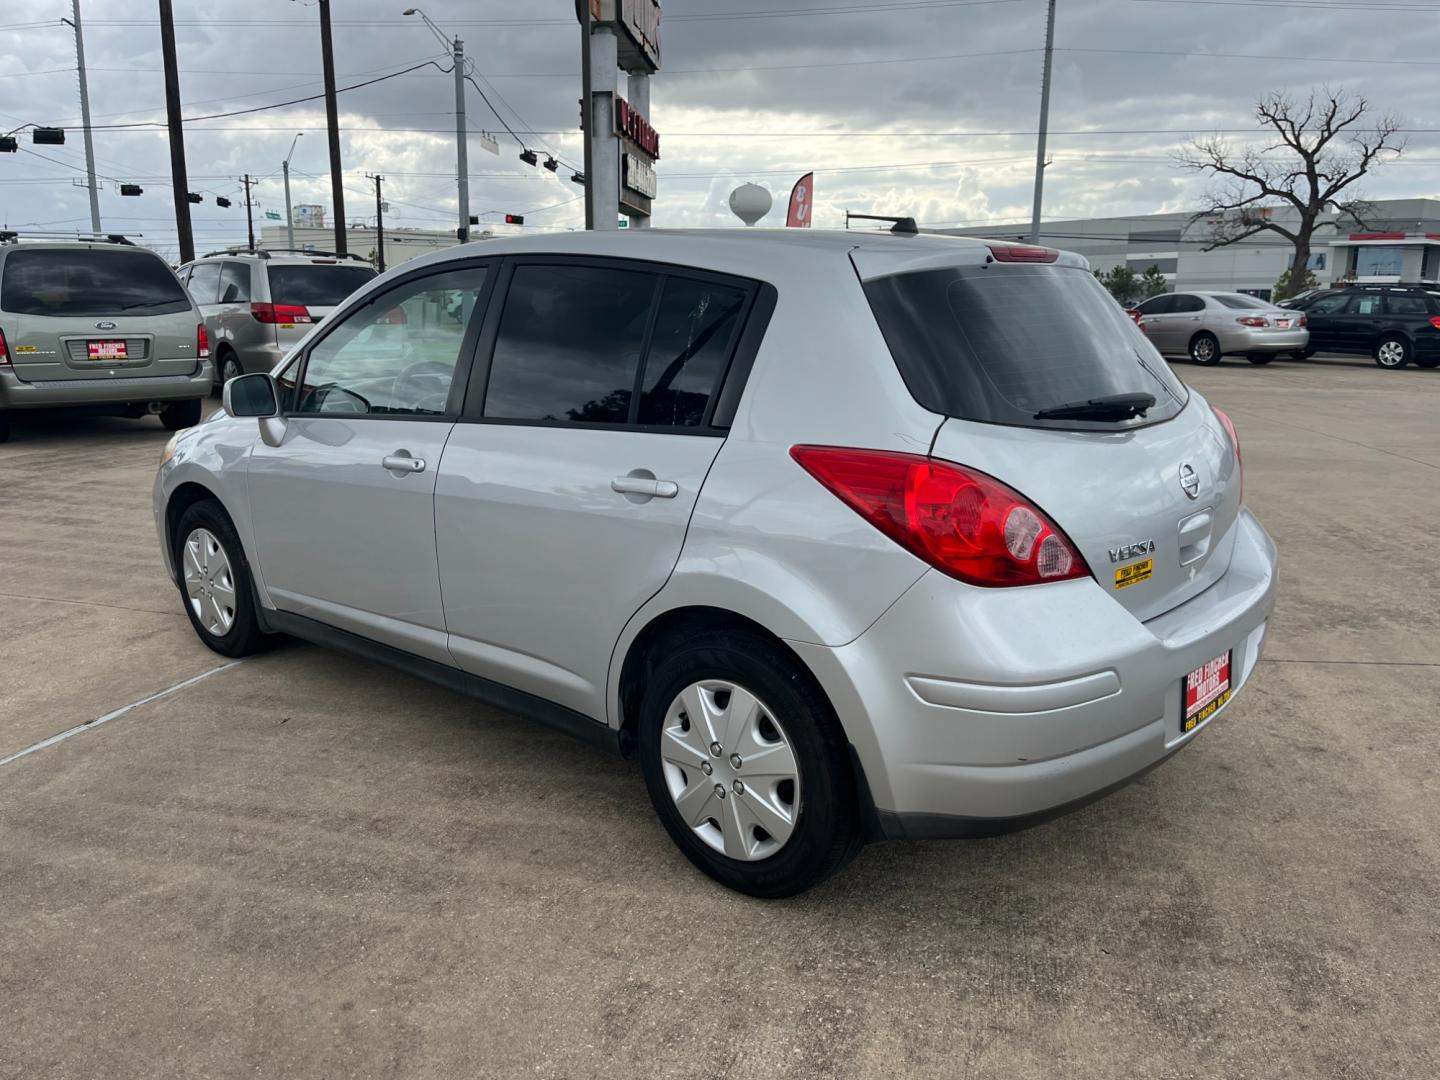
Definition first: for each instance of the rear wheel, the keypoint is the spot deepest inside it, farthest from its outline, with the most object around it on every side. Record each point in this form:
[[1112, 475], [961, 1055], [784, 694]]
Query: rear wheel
[[1205, 349], [1392, 352], [747, 765], [180, 414], [1260, 357], [1303, 354], [1428, 362], [229, 367], [4, 428], [215, 581]]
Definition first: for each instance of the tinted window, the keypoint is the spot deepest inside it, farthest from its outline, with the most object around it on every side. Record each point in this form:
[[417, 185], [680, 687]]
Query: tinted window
[[1397, 304], [316, 286], [1184, 302], [1328, 305], [1365, 304], [81, 281], [205, 282], [396, 356], [235, 283], [1238, 302], [1000, 343], [569, 344], [689, 348]]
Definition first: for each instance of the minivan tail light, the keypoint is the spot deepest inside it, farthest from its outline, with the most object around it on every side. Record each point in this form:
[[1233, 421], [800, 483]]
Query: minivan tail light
[[4, 351], [280, 313], [202, 341], [1025, 254], [962, 522], [1253, 320], [1235, 445]]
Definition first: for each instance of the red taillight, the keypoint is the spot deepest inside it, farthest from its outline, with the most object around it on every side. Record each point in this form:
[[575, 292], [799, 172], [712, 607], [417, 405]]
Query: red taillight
[[1234, 442], [1253, 320], [961, 522], [1025, 254], [1435, 322], [4, 351], [280, 313], [1305, 321], [202, 341]]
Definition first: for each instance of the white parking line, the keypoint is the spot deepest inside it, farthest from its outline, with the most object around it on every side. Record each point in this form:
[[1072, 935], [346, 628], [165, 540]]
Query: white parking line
[[90, 724]]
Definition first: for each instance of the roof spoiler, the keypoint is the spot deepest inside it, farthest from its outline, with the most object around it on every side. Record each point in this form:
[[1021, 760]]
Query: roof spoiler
[[905, 226]]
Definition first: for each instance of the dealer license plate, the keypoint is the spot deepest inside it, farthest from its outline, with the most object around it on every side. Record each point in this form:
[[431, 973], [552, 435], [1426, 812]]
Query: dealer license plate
[[1206, 690], [1283, 324], [107, 350]]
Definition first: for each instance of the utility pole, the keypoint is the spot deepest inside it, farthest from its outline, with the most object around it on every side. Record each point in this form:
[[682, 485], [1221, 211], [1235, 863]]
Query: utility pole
[[289, 216], [85, 119], [332, 119], [1044, 126], [587, 115], [462, 147], [178, 179], [249, 221], [379, 223]]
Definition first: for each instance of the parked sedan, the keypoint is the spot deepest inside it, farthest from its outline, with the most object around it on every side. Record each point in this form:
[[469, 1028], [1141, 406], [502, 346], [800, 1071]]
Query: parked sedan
[[1208, 325]]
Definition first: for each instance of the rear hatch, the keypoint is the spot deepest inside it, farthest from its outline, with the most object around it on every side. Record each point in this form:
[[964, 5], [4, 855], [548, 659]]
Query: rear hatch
[[95, 312], [999, 346], [303, 293]]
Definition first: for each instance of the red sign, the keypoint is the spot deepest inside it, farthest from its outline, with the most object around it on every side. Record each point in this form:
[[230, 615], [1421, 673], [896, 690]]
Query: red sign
[[633, 125], [800, 202]]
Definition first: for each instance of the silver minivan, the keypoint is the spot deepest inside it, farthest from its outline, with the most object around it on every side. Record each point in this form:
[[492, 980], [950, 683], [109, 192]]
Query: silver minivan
[[257, 304], [844, 536], [98, 322]]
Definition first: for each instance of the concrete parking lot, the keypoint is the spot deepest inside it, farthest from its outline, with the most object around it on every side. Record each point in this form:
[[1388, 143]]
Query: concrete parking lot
[[305, 866]]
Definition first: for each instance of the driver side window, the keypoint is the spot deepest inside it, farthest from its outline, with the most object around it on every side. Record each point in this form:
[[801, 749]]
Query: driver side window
[[397, 355]]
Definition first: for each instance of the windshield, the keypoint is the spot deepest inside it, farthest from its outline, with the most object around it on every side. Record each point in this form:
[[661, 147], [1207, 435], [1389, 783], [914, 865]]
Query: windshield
[[316, 286], [86, 281], [1000, 343], [1239, 301]]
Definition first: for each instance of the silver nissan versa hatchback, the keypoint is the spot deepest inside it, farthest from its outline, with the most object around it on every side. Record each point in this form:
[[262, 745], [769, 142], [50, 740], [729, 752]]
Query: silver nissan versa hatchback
[[844, 537]]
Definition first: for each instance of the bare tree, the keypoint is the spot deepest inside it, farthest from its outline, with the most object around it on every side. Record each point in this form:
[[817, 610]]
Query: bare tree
[[1326, 144]]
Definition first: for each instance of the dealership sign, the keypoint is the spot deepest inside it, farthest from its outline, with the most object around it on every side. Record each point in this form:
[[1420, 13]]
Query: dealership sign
[[637, 23], [633, 125], [637, 175]]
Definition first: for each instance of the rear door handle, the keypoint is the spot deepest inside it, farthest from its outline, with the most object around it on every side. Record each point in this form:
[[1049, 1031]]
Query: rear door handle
[[639, 485], [403, 462]]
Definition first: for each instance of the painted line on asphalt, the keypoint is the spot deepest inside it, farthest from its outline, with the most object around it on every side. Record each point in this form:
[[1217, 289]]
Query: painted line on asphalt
[[90, 725]]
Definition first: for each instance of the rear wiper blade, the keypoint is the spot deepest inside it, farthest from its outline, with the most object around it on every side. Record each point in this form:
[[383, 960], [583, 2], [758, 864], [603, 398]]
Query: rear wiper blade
[[144, 303], [1110, 407]]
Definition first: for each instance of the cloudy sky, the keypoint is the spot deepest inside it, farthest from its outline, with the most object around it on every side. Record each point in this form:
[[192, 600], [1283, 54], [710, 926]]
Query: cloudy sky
[[921, 107]]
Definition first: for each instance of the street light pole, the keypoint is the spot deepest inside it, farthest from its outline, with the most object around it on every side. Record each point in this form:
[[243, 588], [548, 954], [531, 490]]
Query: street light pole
[[289, 217], [462, 147], [1044, 126], [85, 119]]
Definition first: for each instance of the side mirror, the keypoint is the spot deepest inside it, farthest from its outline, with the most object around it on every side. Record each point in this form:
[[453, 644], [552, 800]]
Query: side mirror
[[251, 395]]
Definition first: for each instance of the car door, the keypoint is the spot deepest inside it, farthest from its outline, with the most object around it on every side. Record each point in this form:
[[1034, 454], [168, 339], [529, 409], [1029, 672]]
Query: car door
[[204, 287], [1156, 315], [232, 320], [1359, 324], [343, 507], [567, 486], [1325, 318]]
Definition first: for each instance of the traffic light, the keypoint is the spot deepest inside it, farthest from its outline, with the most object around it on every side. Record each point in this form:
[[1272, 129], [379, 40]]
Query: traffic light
[[474, 219], [529, 157], [48, 136], [552, 164], [193, 197], [514, 219], [220, 200], [9, 144], [131, 189]]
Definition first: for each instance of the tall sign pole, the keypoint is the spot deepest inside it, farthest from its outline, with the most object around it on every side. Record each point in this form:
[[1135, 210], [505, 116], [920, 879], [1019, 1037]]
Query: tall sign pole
[[586, 113], [332, 120], [178, 179], [85, 120], [1044, 126], [620, 145]]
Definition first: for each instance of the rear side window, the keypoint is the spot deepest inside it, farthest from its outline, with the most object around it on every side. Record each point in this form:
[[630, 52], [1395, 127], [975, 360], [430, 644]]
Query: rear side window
[[1238, 302], [205, 282], [693, 337], [1366, 304], [235, 283], [316, 286], [88, 282], [1406, 305], [1000, 343]]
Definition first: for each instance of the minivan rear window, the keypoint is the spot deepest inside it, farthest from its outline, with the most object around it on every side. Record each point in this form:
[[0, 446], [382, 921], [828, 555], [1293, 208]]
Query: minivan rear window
[[87, 281], [1001, 342], [316, 286]]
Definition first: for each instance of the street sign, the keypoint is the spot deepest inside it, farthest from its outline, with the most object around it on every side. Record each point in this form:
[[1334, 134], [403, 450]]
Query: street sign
[[623, 223], [272, 215], [488, 142]]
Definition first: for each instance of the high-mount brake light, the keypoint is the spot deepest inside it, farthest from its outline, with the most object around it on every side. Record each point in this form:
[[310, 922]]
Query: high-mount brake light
[[1023, 254], [962, 522]]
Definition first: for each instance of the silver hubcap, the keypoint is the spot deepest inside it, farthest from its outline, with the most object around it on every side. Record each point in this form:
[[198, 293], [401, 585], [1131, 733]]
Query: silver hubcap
[[209, 582], [230, 369], [1392, 353], [1204, 349], [730, 769]]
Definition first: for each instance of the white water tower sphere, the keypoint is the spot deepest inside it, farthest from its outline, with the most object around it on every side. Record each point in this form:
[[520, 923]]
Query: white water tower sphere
[[750, 203]]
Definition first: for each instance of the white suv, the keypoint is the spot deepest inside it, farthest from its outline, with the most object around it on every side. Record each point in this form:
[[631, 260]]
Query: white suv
[[843, 536]]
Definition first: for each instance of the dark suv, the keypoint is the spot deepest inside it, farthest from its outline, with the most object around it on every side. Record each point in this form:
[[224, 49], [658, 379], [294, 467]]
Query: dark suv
[[1395, 324]]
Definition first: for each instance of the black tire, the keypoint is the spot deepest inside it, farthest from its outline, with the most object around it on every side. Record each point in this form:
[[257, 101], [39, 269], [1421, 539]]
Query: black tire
[[1260, 357], [1428, 362], [180, 414], [827, 830], [244, 636], [4, 428], [228, 367], [1205, 349], [1393, 352], [1303, 354]]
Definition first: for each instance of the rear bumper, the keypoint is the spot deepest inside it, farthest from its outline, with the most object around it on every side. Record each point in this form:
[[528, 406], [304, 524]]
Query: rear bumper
[[975, 711], [113, 390], [1244, 339]]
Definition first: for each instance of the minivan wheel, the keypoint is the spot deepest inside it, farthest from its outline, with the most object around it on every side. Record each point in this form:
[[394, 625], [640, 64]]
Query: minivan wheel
[[215, 581], [1205, 349], [1392, 352], [1260, 357], [747, 766], [229, 367], [180, 414]]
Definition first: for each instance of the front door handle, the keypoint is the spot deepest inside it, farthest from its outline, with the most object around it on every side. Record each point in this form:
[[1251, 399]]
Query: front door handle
[[640, 485], [401, 461]]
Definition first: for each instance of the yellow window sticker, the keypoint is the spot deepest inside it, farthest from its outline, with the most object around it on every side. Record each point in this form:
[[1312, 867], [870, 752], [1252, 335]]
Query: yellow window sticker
[[1134, 573]]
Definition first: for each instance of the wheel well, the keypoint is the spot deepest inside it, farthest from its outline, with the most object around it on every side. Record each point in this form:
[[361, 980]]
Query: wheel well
[[662, 633], [1202, 333], [181, 499]]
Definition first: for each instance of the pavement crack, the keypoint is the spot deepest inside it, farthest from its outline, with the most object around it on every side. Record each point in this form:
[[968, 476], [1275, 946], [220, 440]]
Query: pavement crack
[[1356, 663], [89, 603]]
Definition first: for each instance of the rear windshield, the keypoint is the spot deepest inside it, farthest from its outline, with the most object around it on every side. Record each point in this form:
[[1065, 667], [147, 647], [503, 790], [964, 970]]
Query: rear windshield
[[999, 343], [316, 286], [80, 281], [1239, 301]]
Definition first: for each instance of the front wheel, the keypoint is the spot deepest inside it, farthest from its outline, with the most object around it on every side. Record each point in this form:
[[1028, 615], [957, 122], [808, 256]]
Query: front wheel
[[1392, 352], [1428, 362], [747, 766], [180, 414], [1205, 349], [1302, 354], [1260, 357], [215, 581]]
